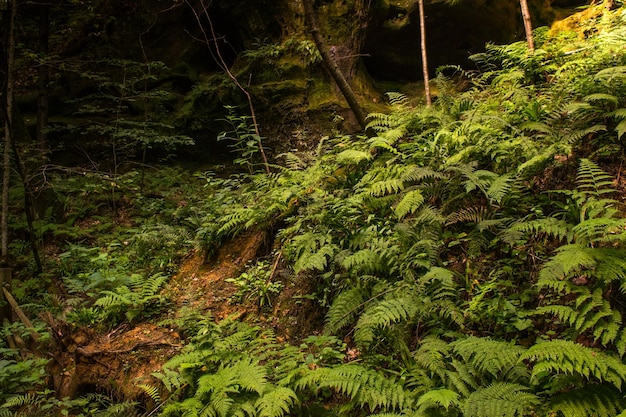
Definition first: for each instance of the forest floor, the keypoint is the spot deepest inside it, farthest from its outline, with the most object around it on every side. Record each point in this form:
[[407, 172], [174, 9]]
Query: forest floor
[[120, 360]]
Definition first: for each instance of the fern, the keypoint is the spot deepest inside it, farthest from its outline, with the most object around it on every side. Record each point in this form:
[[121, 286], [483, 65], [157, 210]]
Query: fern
[[600, 400], [364, 387], [411, 201], [276, 402], [353, 157], [313, 251], [364, 261], [501, 399], [550, 227], [151, 391], [489, 356], [432, 355], [463, 378], [592, 180], [382, 315], [438, 398], [345, 308], [134, 301], [562, 356]]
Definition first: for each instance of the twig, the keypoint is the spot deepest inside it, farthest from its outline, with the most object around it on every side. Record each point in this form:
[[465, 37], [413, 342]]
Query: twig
[[221, 62]]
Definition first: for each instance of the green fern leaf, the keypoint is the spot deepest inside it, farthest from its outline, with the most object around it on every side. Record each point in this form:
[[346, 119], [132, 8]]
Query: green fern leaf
[[432, 353], [589, 401], [276, 403], [501, 399], [363, 386], [439, 398], [620, 129], [364, 261], [602, 97], [487, 355], [344, 309], [562, 356], [463, 378], [569, 259], [353, 157], [111, 298], [151, 391], [411, 201], [382, 315], [592, 180]]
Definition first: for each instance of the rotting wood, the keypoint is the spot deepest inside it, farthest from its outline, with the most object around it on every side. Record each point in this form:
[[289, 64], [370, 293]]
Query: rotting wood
[[5, 280], [137, 345], [20, 314]]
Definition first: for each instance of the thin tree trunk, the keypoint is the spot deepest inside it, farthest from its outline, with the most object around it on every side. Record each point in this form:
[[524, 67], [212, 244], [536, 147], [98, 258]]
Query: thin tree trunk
[[219, 59], [8, 104], [335, 72], [29, 208], [528, 26], [429, 100], [42, 99]]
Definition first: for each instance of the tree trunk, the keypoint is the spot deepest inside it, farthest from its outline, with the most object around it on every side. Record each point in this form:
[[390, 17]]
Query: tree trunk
[[8, 116], [329, 62], [528, 26], [42, 98], [424, 50]]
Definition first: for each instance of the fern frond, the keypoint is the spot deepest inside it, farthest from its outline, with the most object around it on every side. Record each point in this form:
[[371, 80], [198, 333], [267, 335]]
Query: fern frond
[[592, 180], [22, 400], [599, 230], [292, 161], [364, 261], [569, 259], [411, 201], [464, 378], [439, 398], [397, 99], [150, 286], [313, 251], [550, 226], [487, 355], [432, 354], [151, 391], [111, 298], [276, 403], [344, 308], [601, 400], [499, 188], [353, 157], [235, 222], [603, 97], [501, 399], [474, 215], [382, 315], [415, 173], [563, 356], [363, 386]]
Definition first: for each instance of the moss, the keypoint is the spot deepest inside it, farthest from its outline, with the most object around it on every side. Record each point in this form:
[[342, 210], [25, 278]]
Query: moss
[[319, 94]]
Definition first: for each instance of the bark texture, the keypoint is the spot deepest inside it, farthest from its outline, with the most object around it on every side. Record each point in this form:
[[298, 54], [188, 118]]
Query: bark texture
[[331, 64]]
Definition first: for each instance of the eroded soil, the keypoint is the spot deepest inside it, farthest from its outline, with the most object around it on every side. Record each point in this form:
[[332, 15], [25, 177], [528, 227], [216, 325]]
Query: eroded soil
[[116, 363]]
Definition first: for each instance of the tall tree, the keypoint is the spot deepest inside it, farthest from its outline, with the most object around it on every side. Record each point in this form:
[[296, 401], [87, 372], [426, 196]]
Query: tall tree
[[424, 50], [42, 97], [8, 117], [330, 63], [528, 26]]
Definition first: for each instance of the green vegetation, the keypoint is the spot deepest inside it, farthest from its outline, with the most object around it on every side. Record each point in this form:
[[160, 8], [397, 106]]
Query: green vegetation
[[469, 257]]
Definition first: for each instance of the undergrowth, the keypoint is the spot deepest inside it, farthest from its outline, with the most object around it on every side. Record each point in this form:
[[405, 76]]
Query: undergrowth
[[470, 256]]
